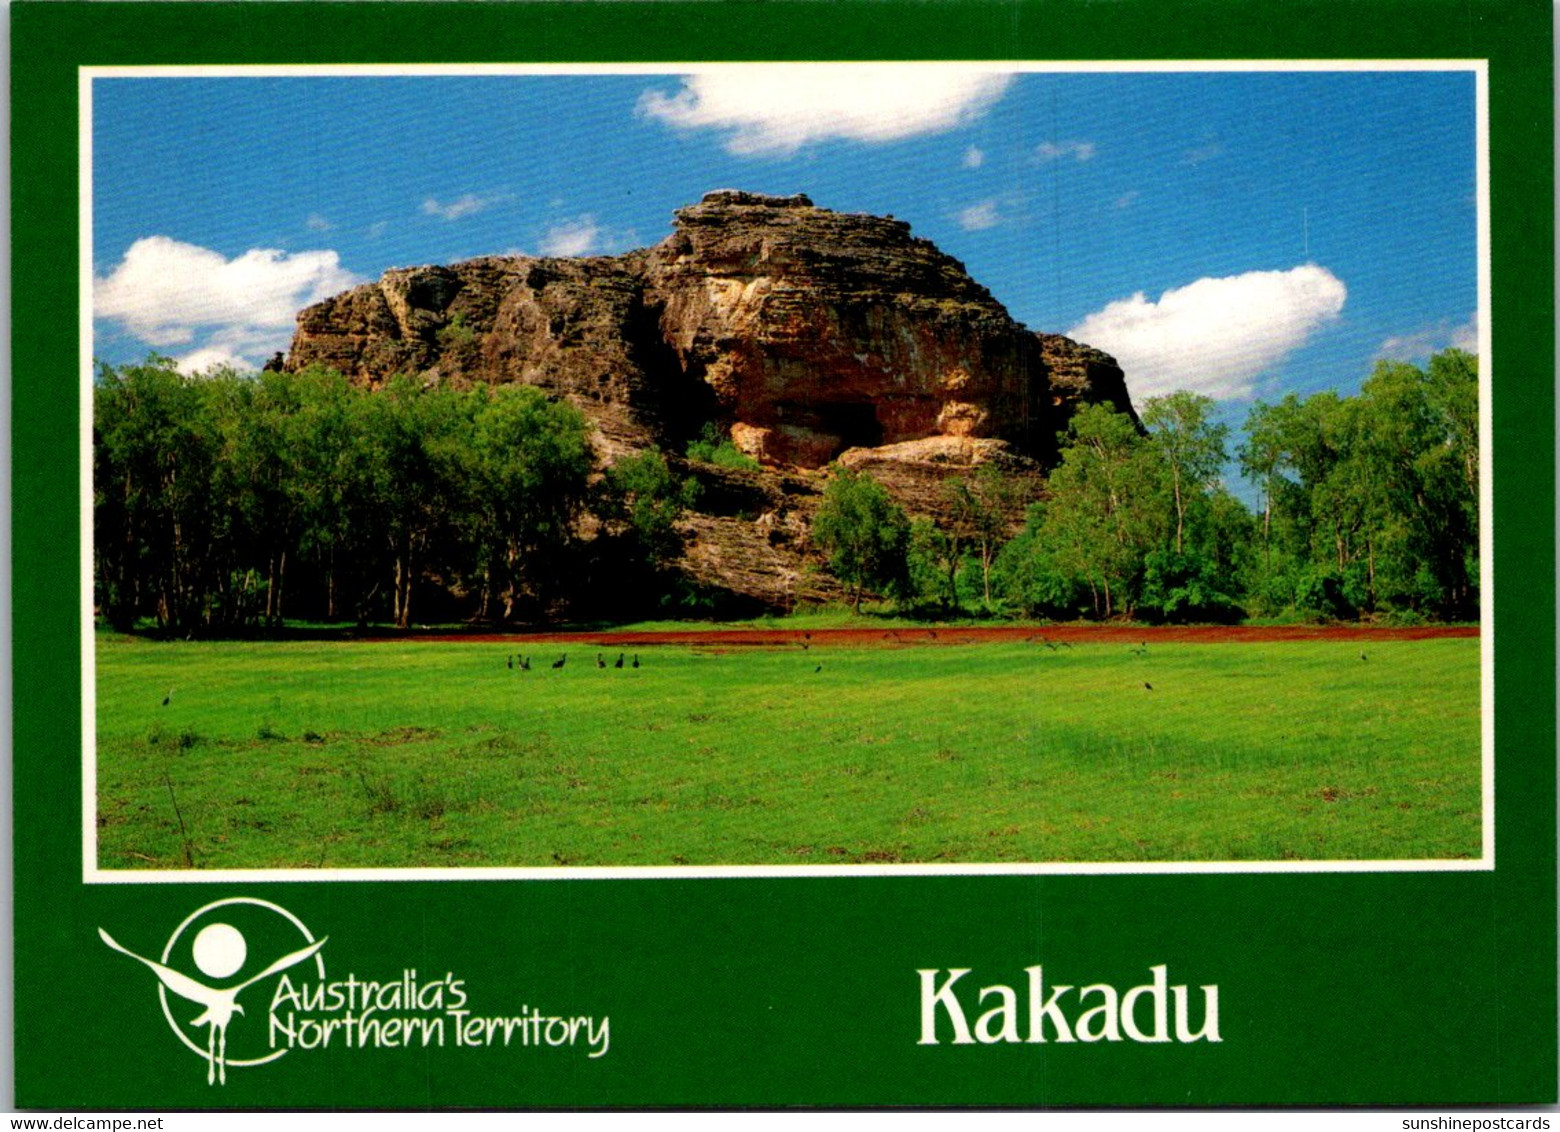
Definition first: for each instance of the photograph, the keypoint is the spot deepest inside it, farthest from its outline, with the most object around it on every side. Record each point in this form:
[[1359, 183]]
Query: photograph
[[790, 467]]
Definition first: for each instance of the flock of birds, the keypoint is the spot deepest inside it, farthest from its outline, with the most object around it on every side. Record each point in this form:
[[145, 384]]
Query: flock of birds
[[523, 663]]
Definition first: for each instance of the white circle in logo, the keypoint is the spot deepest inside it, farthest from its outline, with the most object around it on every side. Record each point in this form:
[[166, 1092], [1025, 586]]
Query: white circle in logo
[[222, 950], [219, 950]]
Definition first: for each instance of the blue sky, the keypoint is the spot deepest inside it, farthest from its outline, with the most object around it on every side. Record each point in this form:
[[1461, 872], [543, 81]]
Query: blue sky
[[1240, 234]]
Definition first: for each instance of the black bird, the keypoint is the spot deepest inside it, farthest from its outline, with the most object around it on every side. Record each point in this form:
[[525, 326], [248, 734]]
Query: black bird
[[619, 662], [168, 697], [559, 662], [819, 668], [1147, 685], [1362, 657], [509, 660], [525, 664], [599, 662], [805, 646], [806, 636], [636, 660]]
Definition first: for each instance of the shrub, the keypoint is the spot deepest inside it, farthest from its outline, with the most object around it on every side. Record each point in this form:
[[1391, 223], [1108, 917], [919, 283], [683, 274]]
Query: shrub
[[715, 447]]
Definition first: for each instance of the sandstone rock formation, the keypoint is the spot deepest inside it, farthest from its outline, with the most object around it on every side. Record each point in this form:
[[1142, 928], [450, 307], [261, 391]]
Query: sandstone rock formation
[[804, 332], [1080, 374], [916, 472], [806, 335], [819, 332]]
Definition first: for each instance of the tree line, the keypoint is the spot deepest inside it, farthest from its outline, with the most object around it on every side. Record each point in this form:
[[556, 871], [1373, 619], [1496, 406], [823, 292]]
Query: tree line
[[227, 503], [1368, 506]]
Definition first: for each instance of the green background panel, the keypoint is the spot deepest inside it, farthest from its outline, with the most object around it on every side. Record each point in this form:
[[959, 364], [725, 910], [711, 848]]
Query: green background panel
[[1394, 988]]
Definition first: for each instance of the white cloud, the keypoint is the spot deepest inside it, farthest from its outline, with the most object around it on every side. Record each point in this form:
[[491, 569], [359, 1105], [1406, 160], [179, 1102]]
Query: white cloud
[[1420, 344], [210, 357], [1214, 336], [572, 237], [778, 108], [1055, 151], [168, 293], [463, 206], [582, 235], [974, 157], [164, 290], [978, 217]]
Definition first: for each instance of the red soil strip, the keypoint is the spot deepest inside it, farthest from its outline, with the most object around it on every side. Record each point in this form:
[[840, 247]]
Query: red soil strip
[[888, 638]]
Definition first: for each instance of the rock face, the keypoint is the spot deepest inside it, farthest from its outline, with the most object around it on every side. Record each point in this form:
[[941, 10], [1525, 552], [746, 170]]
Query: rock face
[[1081, 374], [916, 472], [577, 328], [805, 335], [818, 332]]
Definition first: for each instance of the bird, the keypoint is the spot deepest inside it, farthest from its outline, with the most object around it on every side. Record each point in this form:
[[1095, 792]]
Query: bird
[[805, 646], [509, 660], [599, 662], [559, 662], [169, 696], [525, 664], [220, 1005], [819, 668], [1147, 685], [1362, 657], [636, 660], [619, 662]]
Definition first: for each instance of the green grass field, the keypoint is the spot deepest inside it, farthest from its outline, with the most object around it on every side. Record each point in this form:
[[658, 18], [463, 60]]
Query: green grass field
[[406, 753]]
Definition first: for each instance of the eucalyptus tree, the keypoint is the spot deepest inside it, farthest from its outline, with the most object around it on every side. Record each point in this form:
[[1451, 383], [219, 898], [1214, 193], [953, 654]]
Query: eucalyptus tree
[[1190, 446], [530, 462], [980, 506], [1102, 515], [865, 534], [154, 449]]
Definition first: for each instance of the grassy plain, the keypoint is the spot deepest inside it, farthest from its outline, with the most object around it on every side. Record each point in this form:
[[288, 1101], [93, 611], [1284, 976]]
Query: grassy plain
[[418, 753]]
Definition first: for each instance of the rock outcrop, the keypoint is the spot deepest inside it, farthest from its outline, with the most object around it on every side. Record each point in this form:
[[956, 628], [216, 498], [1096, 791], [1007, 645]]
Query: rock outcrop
[[1080, 374], [818, 332], [806, 335]]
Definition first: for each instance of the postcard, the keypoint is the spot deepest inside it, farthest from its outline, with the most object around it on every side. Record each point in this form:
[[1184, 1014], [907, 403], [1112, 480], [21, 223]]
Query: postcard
[[835, 556]]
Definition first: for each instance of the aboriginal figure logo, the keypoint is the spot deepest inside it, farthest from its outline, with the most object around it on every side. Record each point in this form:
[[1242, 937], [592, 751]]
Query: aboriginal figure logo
[[241, 938]]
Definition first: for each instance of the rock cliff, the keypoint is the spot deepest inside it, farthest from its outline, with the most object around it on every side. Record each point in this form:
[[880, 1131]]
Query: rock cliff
[[806, 335]]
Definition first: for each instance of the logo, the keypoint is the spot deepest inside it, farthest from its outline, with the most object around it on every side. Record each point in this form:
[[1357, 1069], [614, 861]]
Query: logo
[[246, 950], [210, 942]]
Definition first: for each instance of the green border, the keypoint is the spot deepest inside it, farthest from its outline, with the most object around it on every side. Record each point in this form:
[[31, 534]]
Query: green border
[[1393, 989]]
